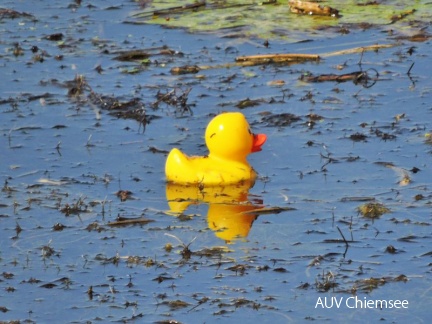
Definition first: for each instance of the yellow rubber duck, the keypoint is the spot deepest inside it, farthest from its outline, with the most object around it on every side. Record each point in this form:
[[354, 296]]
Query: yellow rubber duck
[[229, 141]]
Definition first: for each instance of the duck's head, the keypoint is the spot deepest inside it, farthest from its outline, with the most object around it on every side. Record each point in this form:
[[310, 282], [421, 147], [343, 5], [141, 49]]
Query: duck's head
[[228, 136]]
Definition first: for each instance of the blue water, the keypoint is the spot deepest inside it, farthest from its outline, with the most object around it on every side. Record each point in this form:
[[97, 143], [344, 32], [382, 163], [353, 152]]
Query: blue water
[[46, 274]]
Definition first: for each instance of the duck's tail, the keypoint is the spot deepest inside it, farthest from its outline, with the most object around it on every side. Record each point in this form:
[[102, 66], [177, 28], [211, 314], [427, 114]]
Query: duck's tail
[[173, 164]]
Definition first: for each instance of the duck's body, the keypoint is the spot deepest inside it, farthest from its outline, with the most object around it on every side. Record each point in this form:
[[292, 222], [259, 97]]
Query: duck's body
[[229, 141], [207, 170]]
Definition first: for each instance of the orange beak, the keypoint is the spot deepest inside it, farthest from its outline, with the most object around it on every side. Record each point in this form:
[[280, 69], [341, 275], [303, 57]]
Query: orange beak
[[258, 141]]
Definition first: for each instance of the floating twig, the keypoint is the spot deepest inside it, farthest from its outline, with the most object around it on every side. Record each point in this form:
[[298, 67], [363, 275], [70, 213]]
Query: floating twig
[[409, 70], [278, 58], [354, 50], [409, 75], [288, 58], [185, 69], [122, 221]]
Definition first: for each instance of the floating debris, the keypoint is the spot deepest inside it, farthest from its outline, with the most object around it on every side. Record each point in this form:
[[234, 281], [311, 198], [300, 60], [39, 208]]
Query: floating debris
[[312, 8], [247, 103], [185, 69], [383, 135], [54, 37], [367, 285], [239, 268], [350, 199], [175, 304], [58, 227], [47, 251], [76, 208], [391, 249], [213, 252], [403, 174], [280, 120], [277, 58], [51, 182], [176, 98], [373, 210], [95, 227], [13, 14], [124, 195], [186, 253], [408, 238], [124, 221], [325, 282], [363, 78], [358, 137]]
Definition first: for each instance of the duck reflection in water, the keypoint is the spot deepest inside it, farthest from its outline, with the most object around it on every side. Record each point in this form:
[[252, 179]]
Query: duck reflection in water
[[230, 213]]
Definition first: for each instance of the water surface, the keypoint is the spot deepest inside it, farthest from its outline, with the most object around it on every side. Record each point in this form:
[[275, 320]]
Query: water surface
[[65, 157]]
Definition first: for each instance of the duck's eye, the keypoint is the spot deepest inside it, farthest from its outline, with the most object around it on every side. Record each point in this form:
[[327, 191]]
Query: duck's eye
[[250, 132], [212, 135]]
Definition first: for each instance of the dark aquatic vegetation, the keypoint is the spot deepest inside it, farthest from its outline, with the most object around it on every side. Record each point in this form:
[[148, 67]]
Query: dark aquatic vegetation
[[359, 77]]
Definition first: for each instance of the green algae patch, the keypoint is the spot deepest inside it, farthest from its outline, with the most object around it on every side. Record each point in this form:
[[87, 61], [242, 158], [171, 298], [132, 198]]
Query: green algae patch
[[279, 20]]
